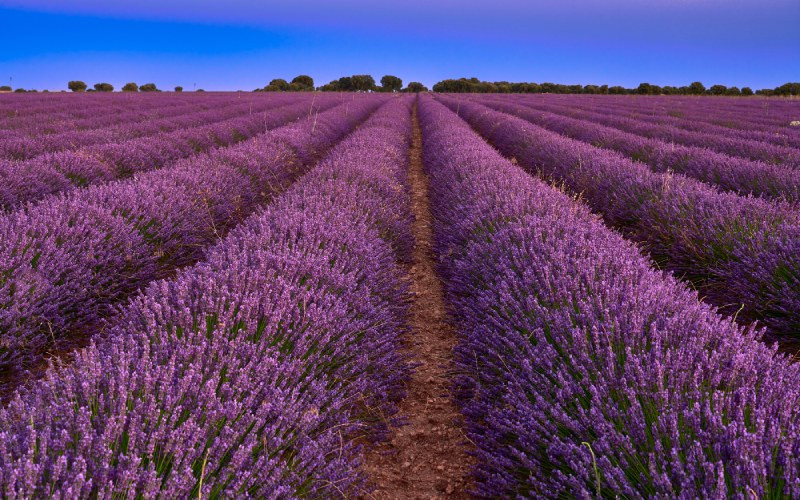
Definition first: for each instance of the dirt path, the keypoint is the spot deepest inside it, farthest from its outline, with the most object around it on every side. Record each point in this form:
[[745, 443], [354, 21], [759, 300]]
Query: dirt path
[[427, 458]]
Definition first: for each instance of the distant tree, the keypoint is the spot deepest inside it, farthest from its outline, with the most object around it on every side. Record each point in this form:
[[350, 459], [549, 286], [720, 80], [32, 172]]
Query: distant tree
[[178, 89], [391, 83], [330, 87], [19, 91], [733, 91], [148, 87], [130, 87], [345, 84], [303, 82], [103, 87], [5, 88], [644, 89], [277, 85], [591, 89], [717, 89], [747, 91], [76, 86], [363, 83], [791, 88], [697, 88], [416, 87], [765, 92], [199, 90], [297, 87]]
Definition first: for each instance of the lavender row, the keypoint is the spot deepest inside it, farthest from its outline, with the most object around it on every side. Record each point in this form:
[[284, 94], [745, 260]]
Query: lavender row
[[695, 117], [30, 181], [706, 121], [23, 110], [728, 172], [248, 375], [739, 251], [753, 150], [582, 371], [760, 114], [66, 262], [26, 148], [103, 116]]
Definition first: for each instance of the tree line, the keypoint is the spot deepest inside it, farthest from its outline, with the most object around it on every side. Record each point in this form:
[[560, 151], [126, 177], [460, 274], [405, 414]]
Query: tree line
[[473, 85], [79, 86], [390, 83], [353, 83]]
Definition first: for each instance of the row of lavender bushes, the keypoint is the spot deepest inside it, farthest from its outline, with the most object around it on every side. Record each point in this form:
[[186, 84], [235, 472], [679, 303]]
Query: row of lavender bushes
[[29, 181], [757, 119], [58, 113], [65, 262], [740, 252], [582, 371], [728, 172], [734, 146], [133, 124], [248, 375], [698, 118], [52, 125]]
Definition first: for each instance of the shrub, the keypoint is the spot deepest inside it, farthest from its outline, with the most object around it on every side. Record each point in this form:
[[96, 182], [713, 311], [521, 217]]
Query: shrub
[[76, 86]]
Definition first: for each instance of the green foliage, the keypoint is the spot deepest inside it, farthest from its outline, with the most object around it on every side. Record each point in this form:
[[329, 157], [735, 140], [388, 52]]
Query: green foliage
[[363, 83], [747, 91], [76, 86], [792, 88], [130, 87], [103, 87], [178, 89], [697, 88], [277, 85], [416, 87], [148, 87], [391, 83], [717, 90], [648, 89], [302, 83], [5, 88]]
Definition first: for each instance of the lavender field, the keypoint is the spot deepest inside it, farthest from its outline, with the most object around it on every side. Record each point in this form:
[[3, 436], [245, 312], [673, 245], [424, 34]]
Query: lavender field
[[304, 294]]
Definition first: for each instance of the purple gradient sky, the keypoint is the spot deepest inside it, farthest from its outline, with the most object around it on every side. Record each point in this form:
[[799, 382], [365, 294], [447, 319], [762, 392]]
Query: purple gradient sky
[[243, 44]]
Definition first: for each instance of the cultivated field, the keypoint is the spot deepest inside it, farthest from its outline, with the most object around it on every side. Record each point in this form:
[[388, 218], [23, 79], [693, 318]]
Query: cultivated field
[[379, 295]]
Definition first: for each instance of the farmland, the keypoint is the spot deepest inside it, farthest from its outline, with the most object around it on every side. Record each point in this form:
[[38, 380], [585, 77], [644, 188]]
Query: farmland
[[337, 294]]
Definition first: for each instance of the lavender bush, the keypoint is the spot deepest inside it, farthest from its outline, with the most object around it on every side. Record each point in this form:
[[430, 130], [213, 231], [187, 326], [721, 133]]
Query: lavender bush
[[584, 372], [247, 375], [735, 146], [728, 172], [65, 261], [65, 170], [738, 251]]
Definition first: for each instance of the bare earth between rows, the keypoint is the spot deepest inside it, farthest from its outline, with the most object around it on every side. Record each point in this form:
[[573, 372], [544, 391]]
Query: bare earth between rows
[[428, 457]]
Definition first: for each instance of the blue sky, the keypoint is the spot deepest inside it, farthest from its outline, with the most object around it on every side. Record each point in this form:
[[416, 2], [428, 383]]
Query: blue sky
[[242, 44]]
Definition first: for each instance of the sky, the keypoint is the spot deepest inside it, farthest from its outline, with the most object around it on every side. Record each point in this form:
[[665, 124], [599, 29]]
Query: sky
[[243, 44]]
